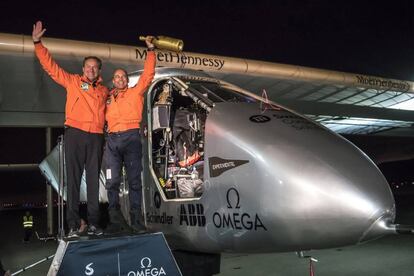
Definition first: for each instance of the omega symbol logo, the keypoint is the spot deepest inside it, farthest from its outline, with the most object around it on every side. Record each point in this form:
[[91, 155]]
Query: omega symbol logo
[[146, 261], [259, 119], [234, 218], [233, 198]]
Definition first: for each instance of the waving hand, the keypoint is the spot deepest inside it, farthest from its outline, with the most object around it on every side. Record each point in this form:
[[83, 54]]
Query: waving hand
[[38, 31]]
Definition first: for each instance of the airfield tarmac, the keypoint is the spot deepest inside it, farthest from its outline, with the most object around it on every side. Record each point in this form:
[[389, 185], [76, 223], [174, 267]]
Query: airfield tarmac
[[388, 256]]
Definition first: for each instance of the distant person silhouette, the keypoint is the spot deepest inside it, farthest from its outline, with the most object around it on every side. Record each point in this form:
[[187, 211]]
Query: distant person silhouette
[[27, 226]]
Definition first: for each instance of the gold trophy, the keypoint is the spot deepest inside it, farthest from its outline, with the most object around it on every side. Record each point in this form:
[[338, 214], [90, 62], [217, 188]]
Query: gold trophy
[[166, 43]]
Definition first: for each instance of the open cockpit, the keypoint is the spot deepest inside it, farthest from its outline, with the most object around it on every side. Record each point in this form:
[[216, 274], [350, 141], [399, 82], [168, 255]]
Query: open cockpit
[[176, 122]]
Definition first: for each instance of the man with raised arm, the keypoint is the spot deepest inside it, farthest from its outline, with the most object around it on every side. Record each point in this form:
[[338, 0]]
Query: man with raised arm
[[84, 124], [123, 145]]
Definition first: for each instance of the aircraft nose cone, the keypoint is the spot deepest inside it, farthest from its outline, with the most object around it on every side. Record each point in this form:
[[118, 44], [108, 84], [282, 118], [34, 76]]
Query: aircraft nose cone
[[316, 189], [327, 189]]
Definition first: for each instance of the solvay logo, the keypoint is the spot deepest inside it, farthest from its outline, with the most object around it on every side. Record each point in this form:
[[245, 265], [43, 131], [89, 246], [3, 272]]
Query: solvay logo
[[89, 270], [259, 119], [146, 269]]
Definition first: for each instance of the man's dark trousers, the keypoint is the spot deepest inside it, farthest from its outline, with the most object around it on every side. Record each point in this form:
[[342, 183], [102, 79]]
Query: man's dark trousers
[[82, 150], [124, 148]]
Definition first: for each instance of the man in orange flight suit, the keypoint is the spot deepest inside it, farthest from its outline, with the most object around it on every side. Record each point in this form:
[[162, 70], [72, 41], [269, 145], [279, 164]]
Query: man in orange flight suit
[[84, 123], [123, 145]]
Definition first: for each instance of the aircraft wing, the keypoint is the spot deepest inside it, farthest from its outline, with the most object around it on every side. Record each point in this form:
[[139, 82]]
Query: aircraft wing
[[347, 103]]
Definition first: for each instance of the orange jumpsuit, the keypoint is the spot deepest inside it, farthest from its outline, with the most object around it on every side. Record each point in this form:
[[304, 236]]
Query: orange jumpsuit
[[124, 111], [85, 101]]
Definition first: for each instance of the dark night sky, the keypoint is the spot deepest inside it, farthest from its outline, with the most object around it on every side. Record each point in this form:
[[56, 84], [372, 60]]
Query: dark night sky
[[356, 36], [353, 36]]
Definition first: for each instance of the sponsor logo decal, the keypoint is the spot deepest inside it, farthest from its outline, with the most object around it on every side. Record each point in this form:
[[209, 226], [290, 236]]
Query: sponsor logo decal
[[235, 219], [84, 86], [162, 218], [219, 165], [89, 269], [259, 119], [157, 200], [296, 122], [183, 59], [159, 218], [192, 215], [145, 131], [383, 83], [108, 174], [235, 201], [146, 268]]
